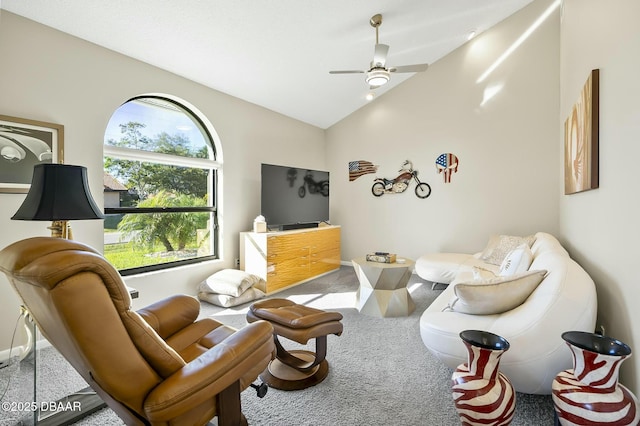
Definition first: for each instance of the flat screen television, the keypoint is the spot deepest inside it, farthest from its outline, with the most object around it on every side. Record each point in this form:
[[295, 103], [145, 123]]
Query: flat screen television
[[293, 197]]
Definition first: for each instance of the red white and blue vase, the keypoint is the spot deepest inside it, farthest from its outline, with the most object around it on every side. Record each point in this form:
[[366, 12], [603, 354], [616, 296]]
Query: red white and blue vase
[[590, 393], [481, 393]]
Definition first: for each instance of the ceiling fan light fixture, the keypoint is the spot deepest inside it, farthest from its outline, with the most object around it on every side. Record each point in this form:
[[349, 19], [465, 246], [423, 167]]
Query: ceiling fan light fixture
[[377, 77]]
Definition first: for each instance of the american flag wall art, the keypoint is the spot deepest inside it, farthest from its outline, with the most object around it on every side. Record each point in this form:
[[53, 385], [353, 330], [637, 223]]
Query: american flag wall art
[[359, 168]]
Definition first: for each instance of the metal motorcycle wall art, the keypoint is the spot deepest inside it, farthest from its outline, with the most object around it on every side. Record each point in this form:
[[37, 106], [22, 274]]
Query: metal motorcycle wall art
[[401, 183]]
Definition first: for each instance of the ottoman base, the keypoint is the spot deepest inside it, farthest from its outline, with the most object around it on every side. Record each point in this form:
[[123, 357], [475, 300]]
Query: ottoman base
[[279, 375]]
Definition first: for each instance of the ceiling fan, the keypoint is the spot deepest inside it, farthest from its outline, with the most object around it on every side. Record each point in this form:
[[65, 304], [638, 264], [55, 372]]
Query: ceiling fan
[[378, 73]]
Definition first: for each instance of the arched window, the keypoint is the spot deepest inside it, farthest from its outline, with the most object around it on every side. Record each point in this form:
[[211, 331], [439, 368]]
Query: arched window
[[160, 182]]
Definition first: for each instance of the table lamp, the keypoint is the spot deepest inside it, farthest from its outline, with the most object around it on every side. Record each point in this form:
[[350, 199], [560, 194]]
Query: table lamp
[[58, 193]]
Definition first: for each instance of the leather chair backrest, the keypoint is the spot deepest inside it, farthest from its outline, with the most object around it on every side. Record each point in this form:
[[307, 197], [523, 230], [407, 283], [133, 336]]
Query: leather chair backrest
[[81, 305]]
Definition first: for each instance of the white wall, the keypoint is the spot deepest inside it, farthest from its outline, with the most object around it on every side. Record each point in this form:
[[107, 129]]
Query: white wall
[[50, 76], [600, 226], [507, 181]]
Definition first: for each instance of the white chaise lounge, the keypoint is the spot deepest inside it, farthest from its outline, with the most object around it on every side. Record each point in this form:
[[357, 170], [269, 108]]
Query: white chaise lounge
[[564, 300]]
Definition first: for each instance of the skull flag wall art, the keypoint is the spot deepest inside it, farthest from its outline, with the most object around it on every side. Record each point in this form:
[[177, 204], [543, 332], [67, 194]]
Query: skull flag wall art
[[359, 168], [447, 164]]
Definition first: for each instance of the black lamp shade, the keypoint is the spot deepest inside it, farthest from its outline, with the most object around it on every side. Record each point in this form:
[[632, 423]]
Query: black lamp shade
[[58, 192]]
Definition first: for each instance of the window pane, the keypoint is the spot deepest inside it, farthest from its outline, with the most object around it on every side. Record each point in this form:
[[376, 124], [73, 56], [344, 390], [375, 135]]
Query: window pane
[[134, 240], [157, 125], [164, 160], [144, 184]]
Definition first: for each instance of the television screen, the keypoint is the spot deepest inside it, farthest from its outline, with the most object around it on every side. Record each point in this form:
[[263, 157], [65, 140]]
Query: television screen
[[294, 197]]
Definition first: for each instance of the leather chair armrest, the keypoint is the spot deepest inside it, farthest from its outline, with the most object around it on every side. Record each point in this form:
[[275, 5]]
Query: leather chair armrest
[[211, 372], [172, 314]]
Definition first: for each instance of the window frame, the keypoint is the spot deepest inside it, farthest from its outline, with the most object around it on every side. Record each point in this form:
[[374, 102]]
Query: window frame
[[211, 164]]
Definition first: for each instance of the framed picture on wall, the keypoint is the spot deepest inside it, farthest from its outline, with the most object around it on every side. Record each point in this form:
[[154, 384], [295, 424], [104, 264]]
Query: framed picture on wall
[[581, 144], [23, 144]]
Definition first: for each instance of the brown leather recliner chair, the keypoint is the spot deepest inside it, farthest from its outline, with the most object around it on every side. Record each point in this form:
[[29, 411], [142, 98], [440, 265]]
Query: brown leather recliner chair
[[157, 366]]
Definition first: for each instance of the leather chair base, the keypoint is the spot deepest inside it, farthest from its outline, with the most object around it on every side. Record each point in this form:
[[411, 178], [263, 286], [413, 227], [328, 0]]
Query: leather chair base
[[281, 376]]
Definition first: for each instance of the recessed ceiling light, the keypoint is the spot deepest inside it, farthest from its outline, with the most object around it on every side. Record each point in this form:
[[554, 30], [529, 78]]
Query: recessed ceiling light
[[370, 96], [471, 35]]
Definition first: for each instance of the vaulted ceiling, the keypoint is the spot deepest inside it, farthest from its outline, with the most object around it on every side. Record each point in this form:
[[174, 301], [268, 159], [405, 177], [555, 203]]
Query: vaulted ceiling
[[276, 54]]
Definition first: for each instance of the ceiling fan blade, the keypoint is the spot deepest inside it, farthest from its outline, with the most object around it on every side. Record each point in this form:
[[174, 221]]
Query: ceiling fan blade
[[380, 55], [347, 72], [410, 68]]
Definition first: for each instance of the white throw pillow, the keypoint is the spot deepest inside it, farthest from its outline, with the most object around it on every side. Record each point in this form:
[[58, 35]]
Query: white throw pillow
[[518, 260], [480, 274], [227, 301], [500, 245], [231, 282], [495, 295]]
